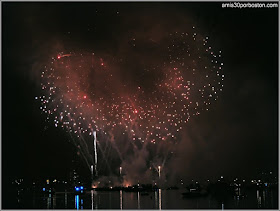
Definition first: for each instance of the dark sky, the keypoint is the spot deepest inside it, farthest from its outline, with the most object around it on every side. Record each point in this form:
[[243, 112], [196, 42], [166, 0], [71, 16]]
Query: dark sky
[[238, 136]]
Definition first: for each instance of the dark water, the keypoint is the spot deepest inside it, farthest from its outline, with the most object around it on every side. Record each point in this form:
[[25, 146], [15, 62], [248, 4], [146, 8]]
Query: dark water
[[160, 199]]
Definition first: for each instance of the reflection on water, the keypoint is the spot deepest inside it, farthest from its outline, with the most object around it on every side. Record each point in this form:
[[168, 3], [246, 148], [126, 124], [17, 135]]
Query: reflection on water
[[49, 201], [77, 202], [156, 199], [121, 202], [93, 199], [138, 200], [159, 199], [65, 200], [259, 199]]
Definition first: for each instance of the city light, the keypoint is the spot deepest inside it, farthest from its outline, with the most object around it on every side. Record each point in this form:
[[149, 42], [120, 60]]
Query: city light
[[81, 188]]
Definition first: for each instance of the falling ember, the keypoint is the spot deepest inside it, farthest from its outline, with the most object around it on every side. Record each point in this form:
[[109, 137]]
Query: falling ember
[[85, 97]]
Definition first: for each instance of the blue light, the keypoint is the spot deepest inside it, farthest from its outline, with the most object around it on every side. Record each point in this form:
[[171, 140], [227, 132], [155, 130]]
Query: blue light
[[44, 189], [77, 189], [82, 188], [77, 202]]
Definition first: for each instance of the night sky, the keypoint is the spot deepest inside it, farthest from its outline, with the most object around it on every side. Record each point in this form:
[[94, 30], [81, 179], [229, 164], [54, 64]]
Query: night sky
[[238, 136]]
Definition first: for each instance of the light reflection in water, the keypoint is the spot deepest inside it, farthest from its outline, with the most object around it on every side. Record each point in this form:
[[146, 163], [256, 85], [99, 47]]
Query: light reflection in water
[[156, 200], [259, 199], [91, 192], [54, 202], [264, 196], [77, 201], [159, 199], [49, 201], [93, 199], [121, 201], [65, 199], [138, 200], [162, 199]]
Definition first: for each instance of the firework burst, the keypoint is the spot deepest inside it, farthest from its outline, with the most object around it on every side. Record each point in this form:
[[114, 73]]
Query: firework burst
[[85, 92]]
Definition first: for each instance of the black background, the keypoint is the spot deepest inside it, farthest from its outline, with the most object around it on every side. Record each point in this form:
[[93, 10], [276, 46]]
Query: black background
[[247, 107]]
